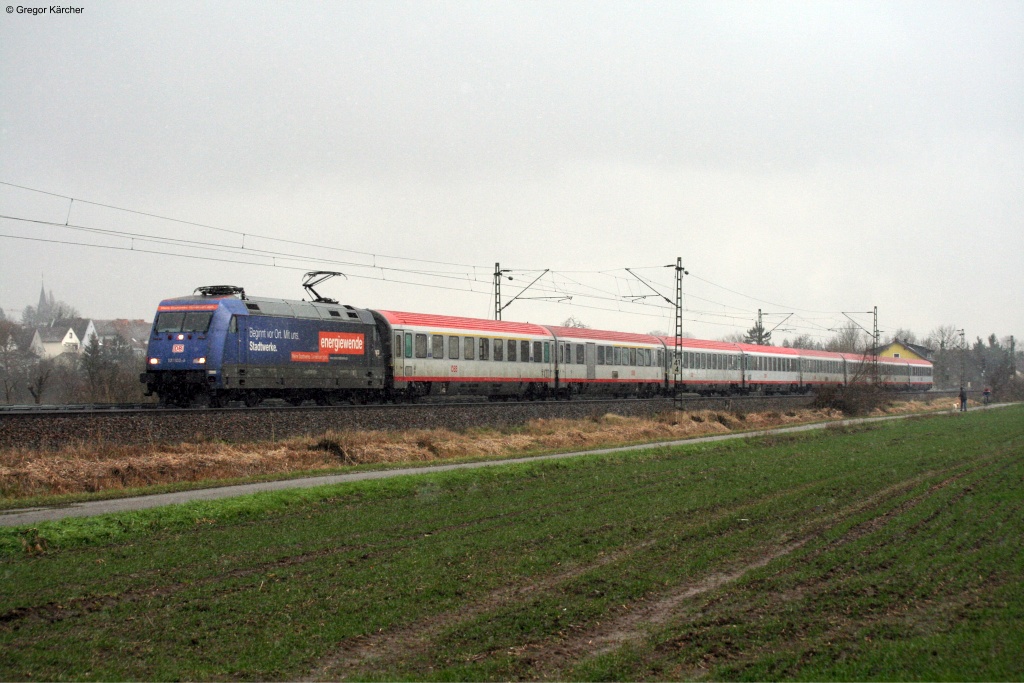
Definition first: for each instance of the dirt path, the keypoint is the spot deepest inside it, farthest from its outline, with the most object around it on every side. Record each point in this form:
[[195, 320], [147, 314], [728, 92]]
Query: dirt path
[[549, 659]]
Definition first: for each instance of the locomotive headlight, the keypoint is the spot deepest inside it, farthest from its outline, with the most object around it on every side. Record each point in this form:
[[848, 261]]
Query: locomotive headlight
[[154, 361], [200, 361]]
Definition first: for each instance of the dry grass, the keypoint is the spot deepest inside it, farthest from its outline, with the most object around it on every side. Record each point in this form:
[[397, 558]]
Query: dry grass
[[87, 468]]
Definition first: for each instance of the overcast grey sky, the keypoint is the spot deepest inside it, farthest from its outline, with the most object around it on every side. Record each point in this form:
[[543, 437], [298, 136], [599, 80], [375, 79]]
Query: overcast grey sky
[[804, 157]]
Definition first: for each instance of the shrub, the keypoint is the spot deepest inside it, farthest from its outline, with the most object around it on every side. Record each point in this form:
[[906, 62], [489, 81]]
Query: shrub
[[855, 399]]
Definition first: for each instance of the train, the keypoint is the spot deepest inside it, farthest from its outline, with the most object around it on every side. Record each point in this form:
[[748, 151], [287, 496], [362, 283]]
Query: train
[[218, 346]]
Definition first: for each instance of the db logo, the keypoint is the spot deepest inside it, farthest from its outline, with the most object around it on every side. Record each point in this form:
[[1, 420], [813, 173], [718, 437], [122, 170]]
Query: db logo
[[178, 348]]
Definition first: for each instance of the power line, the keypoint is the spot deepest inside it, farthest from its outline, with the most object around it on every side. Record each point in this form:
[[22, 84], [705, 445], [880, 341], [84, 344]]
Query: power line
[[231, 261], [472, 277], [222, 248], [233, 232]]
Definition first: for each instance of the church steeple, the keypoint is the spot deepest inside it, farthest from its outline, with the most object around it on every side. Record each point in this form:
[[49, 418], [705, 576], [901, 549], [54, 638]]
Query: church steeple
[[44, 307]]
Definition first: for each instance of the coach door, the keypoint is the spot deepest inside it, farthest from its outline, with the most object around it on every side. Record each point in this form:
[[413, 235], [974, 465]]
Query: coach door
[[402, 352], [591, 358]]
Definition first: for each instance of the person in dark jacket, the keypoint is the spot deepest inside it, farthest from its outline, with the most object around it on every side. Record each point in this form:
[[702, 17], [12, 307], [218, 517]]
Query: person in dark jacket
[[963, 400]]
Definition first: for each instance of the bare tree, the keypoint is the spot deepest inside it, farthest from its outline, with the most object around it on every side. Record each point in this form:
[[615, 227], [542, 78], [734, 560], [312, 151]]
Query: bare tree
[[735, 338], [847, 339], [904, 335], [55, 310], [947, 358], [40, 379], [805, 341], [573, 321]]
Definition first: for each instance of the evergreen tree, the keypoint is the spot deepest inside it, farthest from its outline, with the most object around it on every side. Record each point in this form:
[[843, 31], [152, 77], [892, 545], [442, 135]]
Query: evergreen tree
[[757, 335]]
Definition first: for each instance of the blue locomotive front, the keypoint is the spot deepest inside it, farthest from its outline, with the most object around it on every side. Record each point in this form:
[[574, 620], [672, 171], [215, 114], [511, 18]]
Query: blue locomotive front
[[220, 346]]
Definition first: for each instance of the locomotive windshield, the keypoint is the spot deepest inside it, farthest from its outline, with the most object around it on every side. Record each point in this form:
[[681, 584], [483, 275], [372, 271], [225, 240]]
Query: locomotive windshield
[[181, 321]]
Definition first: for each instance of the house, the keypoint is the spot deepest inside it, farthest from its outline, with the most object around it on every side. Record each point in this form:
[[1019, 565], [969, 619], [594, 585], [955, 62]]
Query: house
[[27, 340], [132, 332], [903, 349], [66, 336]]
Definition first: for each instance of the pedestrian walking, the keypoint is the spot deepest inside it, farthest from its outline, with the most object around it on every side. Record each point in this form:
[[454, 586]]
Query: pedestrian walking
[[963, 400]]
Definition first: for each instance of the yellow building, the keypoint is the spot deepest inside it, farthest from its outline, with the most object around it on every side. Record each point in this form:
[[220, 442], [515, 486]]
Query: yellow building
[[903, 349]]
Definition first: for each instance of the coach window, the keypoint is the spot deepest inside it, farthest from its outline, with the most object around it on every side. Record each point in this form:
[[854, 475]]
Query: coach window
[[537, 352], [398, 345], [512, 350], [632, 356], [580, 359], [453, 348], [421, 346], [485, 349], [499, 349], [524, 351], [547, 352], [607, 355], [600, 355], [617, 356], [467, 347], [437, 342]]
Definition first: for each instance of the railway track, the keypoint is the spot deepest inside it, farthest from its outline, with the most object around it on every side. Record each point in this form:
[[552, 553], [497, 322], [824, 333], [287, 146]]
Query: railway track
[[53, 428], [108, 408]]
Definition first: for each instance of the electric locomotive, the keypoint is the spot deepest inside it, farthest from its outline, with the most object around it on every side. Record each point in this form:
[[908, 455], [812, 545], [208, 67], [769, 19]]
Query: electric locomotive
[[219, 345]]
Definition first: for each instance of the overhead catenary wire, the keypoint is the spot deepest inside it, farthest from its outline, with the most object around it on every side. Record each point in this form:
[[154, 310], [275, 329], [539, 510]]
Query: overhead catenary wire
[[229, 230], [469, 274]]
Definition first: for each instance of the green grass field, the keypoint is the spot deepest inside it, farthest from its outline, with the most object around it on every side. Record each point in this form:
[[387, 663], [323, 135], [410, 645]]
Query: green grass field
[[883, 552]]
